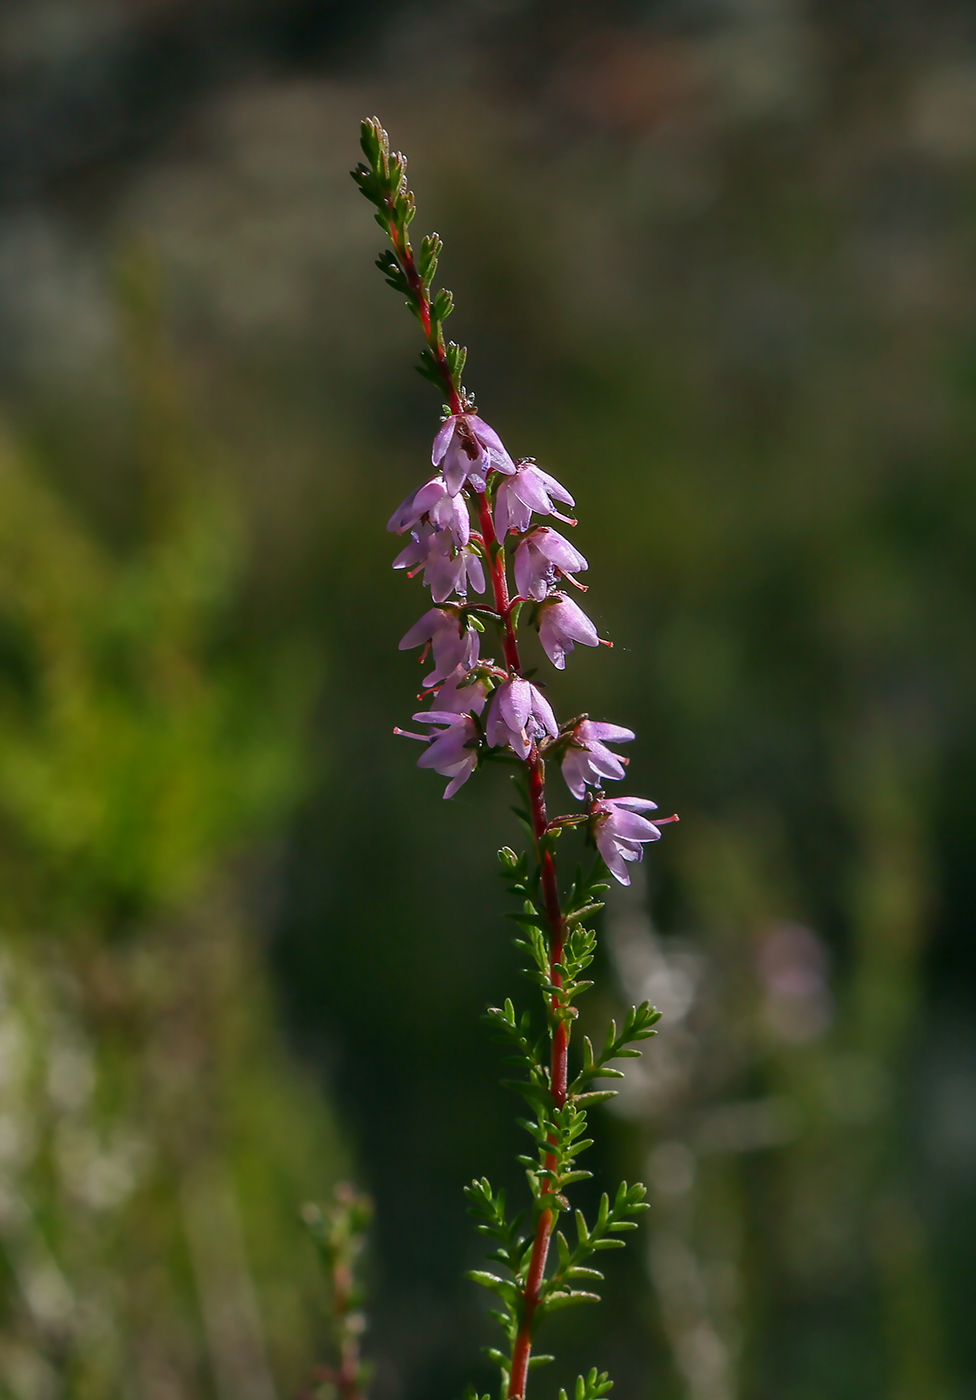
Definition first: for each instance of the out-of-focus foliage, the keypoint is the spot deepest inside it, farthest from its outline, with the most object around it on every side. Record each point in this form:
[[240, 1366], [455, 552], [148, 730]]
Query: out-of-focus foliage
[[714, 267], [154, 1139]]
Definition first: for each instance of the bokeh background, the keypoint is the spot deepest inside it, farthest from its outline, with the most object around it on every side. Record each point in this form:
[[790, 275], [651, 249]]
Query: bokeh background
[[714, 264]]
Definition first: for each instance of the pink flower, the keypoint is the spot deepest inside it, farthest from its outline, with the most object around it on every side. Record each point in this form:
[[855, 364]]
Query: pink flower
[[447, 569], [454, 751], [561, 624], [541, 555], [587, 759], [530, 489], [434, 503], [467, 449], [453, 644], [462, 693], [519, 714], [620, 832]]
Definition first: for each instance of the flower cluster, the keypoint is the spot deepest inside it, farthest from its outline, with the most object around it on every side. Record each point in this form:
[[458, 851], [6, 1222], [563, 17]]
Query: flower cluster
[[479, 707]]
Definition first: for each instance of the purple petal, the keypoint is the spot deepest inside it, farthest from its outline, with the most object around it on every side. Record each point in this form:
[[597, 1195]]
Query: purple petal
[[558, 550], [476, 573], [531, 491], [555, 488], [553, 643], [442, 575], [496, 730], [612, 856], [574, 622], [455, 470], [459, 698], [543, 711], [442, 441], [413, 554], [450, 513], [604, 763], [524, 572], [575, 772], [404, 515], [487, 436], [510, 512], [607, 733], [461, 777], [423, 500], [469, 654], [422, 630], [436, 717], [515, 702], [632, 804], [628, 826]]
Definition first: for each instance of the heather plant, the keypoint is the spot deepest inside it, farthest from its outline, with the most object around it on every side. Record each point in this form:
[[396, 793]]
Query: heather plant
[[339, 1232], [474, 528]]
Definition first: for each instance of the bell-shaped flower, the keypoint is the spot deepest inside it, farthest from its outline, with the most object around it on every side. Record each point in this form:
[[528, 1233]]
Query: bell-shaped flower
[[530, 489], [619, 832], [453, 751], [463, 692], [467, 449], [519, 714], [447, 569], [433, 502], [453, 644], [561, 625], [587, 760], [540, 557]]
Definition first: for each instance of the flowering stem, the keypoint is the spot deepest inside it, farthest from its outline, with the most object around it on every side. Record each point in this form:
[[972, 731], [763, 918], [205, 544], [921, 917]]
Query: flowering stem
[[482, 711]]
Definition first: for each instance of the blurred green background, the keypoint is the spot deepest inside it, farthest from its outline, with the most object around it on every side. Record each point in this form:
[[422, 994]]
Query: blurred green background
[[714, 264]]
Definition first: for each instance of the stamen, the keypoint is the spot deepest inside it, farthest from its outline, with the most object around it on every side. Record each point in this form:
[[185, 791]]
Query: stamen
[[408, 734], [583, 587]]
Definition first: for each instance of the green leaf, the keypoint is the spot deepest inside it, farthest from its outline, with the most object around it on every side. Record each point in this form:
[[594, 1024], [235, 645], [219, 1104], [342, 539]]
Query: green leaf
[[594, 1387], [535, 1094], [527, 920], [567, 1299], [456, 356], [442, 306], [503, 1287], [576, 915]]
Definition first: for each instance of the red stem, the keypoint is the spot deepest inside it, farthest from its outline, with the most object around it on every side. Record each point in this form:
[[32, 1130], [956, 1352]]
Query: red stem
[[405, 253], [499, 580], [522, 1350]]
